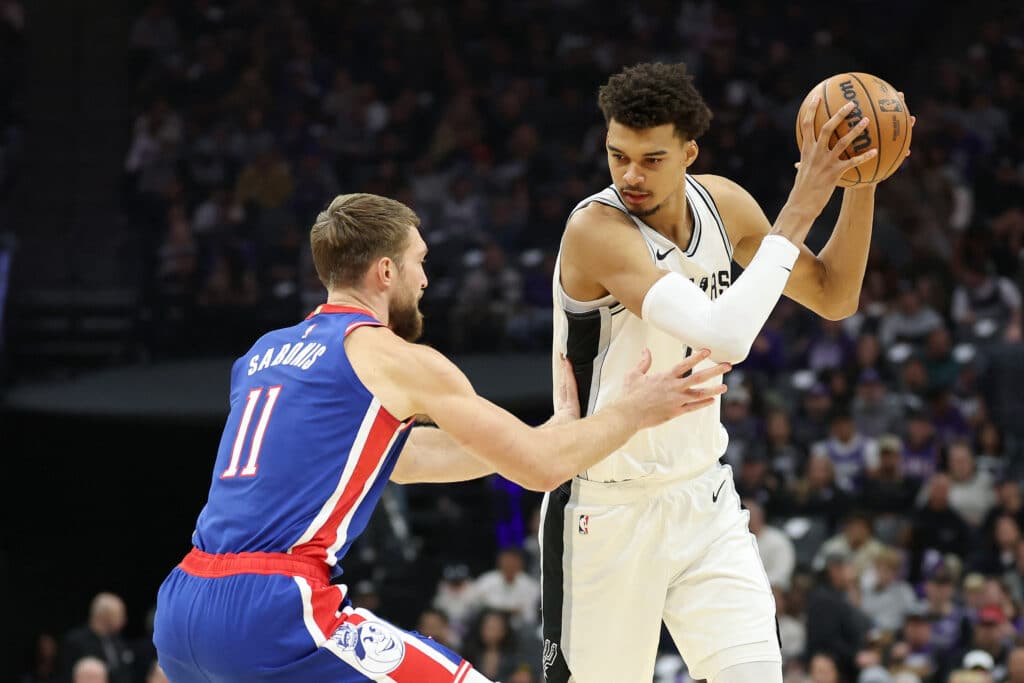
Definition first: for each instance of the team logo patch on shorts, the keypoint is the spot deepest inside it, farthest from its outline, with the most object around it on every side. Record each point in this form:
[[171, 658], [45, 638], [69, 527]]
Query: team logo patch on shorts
[[584, 524], [378, 647]]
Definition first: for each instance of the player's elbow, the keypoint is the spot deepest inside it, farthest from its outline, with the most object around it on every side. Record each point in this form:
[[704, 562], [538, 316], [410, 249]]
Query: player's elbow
[[838, 310], [731, 349]]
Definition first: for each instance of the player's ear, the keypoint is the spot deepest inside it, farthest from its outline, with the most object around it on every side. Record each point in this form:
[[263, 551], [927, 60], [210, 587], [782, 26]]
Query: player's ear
[[690, 153], [385, 270]]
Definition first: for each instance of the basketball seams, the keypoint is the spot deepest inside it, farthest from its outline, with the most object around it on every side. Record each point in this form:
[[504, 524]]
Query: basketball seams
[[846, 155], [903, 148], [878, 127]]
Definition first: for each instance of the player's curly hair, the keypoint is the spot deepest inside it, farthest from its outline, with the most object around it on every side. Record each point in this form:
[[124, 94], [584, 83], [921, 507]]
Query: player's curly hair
[[653, 94]]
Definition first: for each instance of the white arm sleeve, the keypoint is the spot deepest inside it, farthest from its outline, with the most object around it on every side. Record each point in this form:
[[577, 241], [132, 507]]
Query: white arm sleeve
[[729, 324]]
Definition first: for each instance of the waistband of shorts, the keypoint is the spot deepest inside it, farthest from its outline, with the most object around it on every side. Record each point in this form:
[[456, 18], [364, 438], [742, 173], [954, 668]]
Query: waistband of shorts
[[214, 566], [588, 492]]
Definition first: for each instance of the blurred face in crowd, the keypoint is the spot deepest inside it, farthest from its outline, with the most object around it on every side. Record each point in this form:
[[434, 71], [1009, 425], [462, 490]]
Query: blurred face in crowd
[[961, 462], [510, 564], [1015, 665], [938, 496], [778, 428], [868, 350], [1007, 533], [890, 463], [1008, 493], [819, 471], [857, 532], [917, 633], [823, 669], [939, 591], [648, 166]]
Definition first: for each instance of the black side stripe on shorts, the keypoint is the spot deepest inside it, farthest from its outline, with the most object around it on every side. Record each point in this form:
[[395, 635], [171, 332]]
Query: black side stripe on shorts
[[556, 669]]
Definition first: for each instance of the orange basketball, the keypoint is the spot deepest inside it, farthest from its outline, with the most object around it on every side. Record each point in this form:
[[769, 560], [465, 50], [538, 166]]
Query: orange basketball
[[888, 131]]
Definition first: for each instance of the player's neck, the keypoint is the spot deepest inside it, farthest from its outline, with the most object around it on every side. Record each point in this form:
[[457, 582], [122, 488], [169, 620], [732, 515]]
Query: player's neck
[[356, 299], [673, 219]]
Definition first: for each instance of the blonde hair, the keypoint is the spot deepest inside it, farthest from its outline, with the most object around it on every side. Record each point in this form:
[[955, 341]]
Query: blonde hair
[[354, 231]]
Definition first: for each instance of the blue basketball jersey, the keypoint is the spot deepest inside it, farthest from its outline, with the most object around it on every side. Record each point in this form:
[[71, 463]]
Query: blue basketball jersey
[[306, 450]]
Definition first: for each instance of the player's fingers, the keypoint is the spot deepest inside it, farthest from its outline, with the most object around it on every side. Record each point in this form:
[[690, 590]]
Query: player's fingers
[[707, 392], [807, 122], [644, 365], [695, 405], [850, 136], [913, 120], [859, 159], [689, 363], [708, 374], [568, 381], [833, 123]]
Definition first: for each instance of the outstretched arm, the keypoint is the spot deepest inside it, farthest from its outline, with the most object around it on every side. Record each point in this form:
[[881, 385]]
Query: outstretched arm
[[410, 379], [431, 455]]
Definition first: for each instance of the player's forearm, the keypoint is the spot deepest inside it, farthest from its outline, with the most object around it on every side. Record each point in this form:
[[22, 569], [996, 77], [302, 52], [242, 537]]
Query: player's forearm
[[844, 258], [432, 456], [729, 324]]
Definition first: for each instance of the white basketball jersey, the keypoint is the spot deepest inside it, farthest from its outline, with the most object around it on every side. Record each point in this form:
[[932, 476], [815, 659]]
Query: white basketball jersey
[[604, 341]]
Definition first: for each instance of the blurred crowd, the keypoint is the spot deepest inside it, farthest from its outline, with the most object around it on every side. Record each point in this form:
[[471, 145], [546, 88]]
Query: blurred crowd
[[880, 457]]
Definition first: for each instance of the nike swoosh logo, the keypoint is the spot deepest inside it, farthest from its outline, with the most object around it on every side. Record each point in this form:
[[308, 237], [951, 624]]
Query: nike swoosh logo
[[661, 256], [788, 270], [714, 496]]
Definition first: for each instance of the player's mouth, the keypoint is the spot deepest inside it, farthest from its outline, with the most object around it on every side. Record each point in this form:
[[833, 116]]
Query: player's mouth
[[635, 197]]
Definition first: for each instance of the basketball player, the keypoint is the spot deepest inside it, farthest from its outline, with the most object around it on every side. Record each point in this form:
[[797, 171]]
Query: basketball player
[[655, 531], [320, 412]]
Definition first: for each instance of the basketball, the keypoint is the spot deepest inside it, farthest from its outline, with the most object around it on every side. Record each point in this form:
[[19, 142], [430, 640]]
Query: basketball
[[888, 131]]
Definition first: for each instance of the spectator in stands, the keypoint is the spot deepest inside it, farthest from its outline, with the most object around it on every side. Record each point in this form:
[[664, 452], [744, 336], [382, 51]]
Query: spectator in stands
[[775, 547], [486, 299], [835, 626], [990, 451], [920, 446], [99, 637], [936, 527], [910, 321], [1015, 665], [852, 453], [492, 644], [785, 456], [817, 496], [434, 623], [951, 625], [875, 410], [857, 543], [508, 587], [89, 669], [888, 598], [971, 492], [455, 598], [792, 630], [811, 423], [985, 306], [993, 635], [44, 661]]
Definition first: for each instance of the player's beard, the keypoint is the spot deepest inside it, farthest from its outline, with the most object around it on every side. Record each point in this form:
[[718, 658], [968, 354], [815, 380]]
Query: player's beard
[[404, 317], [647, 212]]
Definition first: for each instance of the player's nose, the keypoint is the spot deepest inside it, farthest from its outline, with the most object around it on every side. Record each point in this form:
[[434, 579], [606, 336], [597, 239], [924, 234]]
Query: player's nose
[[633, 175]]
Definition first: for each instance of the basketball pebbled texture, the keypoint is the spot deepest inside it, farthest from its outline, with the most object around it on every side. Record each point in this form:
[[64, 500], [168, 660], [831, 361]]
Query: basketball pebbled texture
[[889, 130]]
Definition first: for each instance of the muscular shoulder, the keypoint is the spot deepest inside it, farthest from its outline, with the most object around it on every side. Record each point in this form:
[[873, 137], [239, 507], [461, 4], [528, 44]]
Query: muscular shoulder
[[399, 373], [595, 226], [740, 212]]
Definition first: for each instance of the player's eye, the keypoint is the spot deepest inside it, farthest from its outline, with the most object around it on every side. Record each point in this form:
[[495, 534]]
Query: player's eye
[[655, 160], [617, 157]]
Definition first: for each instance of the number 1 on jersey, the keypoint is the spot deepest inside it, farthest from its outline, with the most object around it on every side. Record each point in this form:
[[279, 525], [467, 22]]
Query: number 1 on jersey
[[243, 430]]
